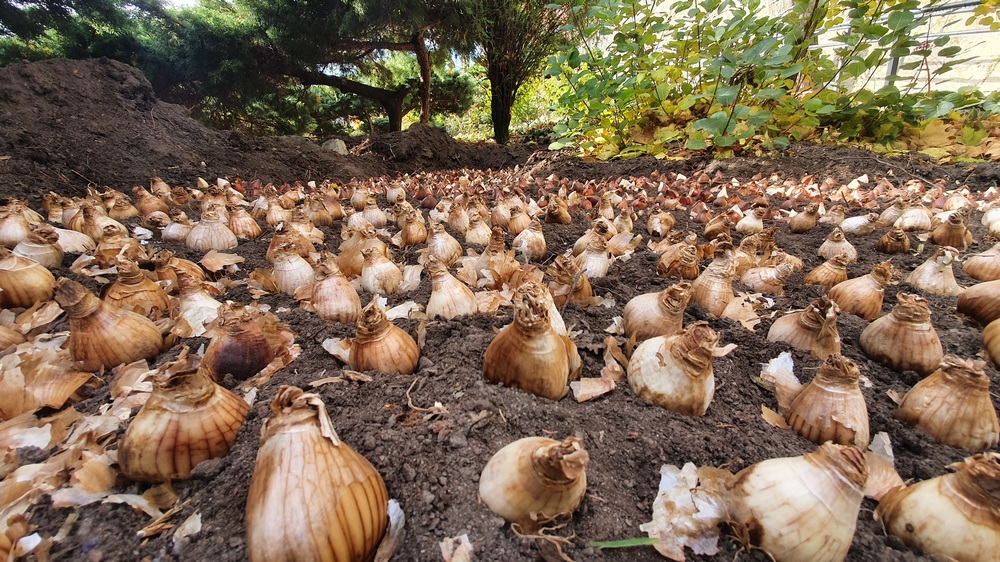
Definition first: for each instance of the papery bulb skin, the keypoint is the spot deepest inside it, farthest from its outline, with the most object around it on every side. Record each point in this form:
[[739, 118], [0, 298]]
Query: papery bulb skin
[[679, 262], [896, 241], [752, 223], [831, 407], [980, 301], [380, 345], [656, 314], [135, 292], [813, 329], [569, 282], [660, 223], [834, 215], [535, 479], [984, 266], [802, 509], [594, 261], [915, 218], [443, 245], [863, 296], [806, 220], [531, 242], [904, 339], [332, 297], [675, 372], [835, 245], [952, 232], [23, 282], [312, 497], [859, 226], [768, 280], [187, 419], [935, 276], [991, 341], [42, 246], [291, 271], [528, 353], [891, 213], [557, 210], [718, 226], [211, 233], [104, 336], [953, 406], [830, 272], [379, 275], [950, 517], [713, 289], [450, 298], [238, 345]]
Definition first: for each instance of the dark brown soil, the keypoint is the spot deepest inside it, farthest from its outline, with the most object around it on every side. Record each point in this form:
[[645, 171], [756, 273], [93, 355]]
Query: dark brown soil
[[65, 124]]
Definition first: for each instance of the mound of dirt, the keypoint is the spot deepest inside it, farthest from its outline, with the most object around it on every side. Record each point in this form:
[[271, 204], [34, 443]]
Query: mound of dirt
[[66, 124]]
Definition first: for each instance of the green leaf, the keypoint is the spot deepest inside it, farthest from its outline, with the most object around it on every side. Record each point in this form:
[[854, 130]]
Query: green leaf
[[900, 20], [727, 94], [949, 51], [759, 117], [696, 144], [625, 543], [724, 141]]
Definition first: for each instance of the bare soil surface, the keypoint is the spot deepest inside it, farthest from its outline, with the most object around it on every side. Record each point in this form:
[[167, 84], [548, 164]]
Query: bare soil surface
[[66, 124]]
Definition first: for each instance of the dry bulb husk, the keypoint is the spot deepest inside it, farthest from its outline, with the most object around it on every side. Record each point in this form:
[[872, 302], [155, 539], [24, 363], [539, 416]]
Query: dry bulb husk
[[379, 275], [136, 292], [984, 266], [904, 339], [187, 419], [830, 272], [991, 340], [806, 220], [23, 282], [813, 329], [14, 228], [656, 314], [953, 406], [952, 232], [535, 479], [795, 509], [915, 218], [528, 353], [980, 301], [243, 225], [450, 298], [768, 280], [595, 260], [675, 372], [863, 296], [569, 283], [713, 289], [531, 242], [331, 297], [166, 265], [660, 223], [835, 245], [859, 226], [104, 336], [239, 346], [211, 233], [380, 345], [442, 245], [291, 271], [830, 407], [681, 261], [952, 517], [333, 503], [42, 246], [935, 276], [896, 241]]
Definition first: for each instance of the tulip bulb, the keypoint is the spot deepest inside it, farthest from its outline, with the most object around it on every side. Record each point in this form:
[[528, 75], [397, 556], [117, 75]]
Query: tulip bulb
[[331, 297], [768, 280], [450, 297], [291, 271], [914, 219], [813, 329], [863, 296], [980, 301], [718, 226], [211, 233], [42, 246], [14, 228], [243, 225], [859, 226], [952, 232], [679, 261], [531, 242], [442, 245], [831, 407], [713, 289], [656, 314], [806, 220], [187, 419], [904, 339], [103, 336], [895, 241], [594, 261], [991, 340], [833, 215], [935, 276], [752, 223], [557, 210], [984, 266], [528, 353], [238, 347], [802, 509], [135, 292], [830, 272], [891, 213], [23, 282], [951, 517], [660, 223], [379, 275], [835, 245], [380, 345], [675, 372], [334, 504], [569, 283], [535, 479], [953, 406]]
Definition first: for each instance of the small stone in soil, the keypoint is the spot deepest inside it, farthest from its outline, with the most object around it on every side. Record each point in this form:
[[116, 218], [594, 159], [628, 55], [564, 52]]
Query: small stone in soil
[[209, 469], [458, 441]]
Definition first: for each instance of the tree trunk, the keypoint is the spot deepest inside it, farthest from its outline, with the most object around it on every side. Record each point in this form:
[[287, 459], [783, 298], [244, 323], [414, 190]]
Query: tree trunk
[[502, 93], [424, 61], [390, 100]]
